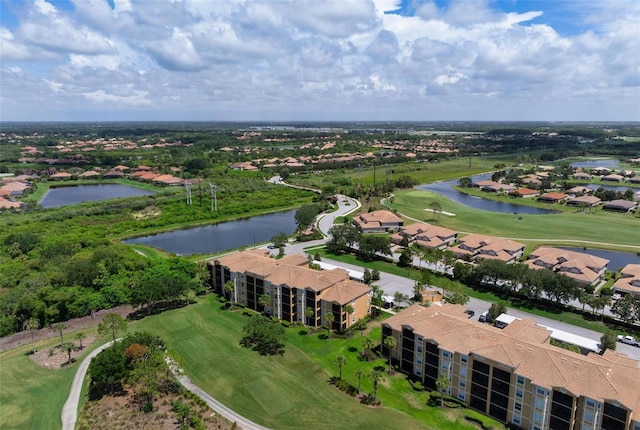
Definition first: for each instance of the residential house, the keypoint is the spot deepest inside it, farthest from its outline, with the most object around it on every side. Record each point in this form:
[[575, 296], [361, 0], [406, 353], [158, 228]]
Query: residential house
[[584, 201], [620, 206], [426, 235], [113, 174], [629, 282], [526, 193], [88, 174], [478, 246], [14, 188], [378, 222], [8, 204], [600, 171], [586, 269], [293, 287], [60, 176], [580, 175], [515, 375], [553, 197], [613, 178], [634, 180], [579, 190]]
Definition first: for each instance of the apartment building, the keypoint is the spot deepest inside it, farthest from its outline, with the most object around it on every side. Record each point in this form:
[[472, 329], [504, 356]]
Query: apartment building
[[478, 246], [629, 282], [293, 287], [426, 235], [515, 375]]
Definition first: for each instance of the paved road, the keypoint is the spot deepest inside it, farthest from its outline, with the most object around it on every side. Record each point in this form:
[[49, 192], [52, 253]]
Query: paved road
[[70, 408]]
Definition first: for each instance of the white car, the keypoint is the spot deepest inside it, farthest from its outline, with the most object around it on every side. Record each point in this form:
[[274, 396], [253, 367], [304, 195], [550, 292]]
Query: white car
[[629, 340]]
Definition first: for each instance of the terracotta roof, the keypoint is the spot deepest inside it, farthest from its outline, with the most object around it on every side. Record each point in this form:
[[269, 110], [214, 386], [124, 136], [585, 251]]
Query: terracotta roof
[[380, 217], [525, 349]]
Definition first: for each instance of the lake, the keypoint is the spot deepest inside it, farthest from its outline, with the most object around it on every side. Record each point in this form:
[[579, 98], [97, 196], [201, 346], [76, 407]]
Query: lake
[[220, 237], [445, 188], [622, 189], [616, 259], [64, 196], [592, 164]]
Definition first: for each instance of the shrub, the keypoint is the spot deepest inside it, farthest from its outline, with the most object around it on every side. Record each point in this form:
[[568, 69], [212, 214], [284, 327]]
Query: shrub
[[370, 400]]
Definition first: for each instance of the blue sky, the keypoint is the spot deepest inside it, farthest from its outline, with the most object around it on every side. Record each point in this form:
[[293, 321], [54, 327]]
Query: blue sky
[[509, 60]]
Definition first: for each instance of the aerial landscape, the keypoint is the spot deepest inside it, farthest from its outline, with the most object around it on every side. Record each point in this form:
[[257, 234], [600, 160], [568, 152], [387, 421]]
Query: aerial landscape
[[318, 214]]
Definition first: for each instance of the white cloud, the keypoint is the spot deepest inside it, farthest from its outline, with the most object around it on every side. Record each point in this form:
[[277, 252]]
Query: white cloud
[[344, 59]]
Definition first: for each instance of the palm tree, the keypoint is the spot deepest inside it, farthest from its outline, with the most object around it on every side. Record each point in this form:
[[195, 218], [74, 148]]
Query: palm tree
[[32, 324], [442, 384], [80, 336], [230, 288], [309, 313], [69, 347], [264, 301], [348, 309], [367, 344], [59, 328], [359, 373], [435, 208], [376, 376], [390, 342], [340, 360], [329, 318]]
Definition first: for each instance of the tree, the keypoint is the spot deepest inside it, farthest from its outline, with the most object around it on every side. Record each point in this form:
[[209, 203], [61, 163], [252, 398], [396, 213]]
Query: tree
[[341, 361], [442, 384], [375, 275], [495, 310], [329, 318], [406, 258], [375, 376], [80, 336], [390, 343], [370, 245], [306, 215], [624, 308], [348, 309], [279, 239], [69, 347], [264, 335], [230, 289], [112, 324], [608, 341], [32, 324], [264, 300], [309, 313], [367, 344], [435, 209], [399, 297], [465, 182], [367, 278], [60, 327], [343, 237], [359, 373]]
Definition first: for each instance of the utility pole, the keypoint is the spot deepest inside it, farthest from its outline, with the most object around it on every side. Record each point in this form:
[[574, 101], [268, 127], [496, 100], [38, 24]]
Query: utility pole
[[187, 187], [214, 197]]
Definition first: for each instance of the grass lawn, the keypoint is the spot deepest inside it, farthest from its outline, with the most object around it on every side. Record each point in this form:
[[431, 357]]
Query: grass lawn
[[608, 230], [289, 391], [31, 396]]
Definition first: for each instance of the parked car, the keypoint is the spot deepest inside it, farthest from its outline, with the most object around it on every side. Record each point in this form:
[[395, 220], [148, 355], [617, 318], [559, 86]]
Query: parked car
[[629, 340], [616, 296], [470, 313], [484, 317]]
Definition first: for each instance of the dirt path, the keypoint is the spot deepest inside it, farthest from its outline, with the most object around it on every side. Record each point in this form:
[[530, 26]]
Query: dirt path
[[24, 337]]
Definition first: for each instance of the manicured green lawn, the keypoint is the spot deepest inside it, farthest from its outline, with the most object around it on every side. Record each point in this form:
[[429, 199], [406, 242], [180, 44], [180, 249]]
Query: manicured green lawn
[[31, 396], [569, 228], [289, 391]]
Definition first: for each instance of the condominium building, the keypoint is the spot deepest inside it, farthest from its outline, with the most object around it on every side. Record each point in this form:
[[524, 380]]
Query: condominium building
[[297, 292], [515, 375], [479, 246], [585, 268]]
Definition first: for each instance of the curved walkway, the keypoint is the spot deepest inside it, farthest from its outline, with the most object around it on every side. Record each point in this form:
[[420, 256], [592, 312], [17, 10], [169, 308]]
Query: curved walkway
[[70, 408]]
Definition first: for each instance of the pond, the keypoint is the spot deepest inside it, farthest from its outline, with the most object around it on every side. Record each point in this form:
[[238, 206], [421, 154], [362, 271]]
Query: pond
[[622, 189], [220, 237], [64, 196], [592, 164], [445, 188], [616, 259]]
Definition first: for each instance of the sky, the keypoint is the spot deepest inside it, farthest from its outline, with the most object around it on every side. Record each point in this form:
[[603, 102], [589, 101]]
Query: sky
[[319, 60]]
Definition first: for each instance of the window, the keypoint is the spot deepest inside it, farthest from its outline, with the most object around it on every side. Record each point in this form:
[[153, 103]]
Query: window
[[419, 360], [517, 406], [591, 403], [516, 419], [418, 372], [541, 391], [588, 416], [461, 395], [520, 380], [464, 358], [419, 349], [463, 371], [518, 393], [463, 384], [537, 417], [539, 403], [420, 338]]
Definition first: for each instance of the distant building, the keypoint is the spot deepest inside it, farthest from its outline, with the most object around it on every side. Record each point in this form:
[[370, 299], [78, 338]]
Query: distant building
[[629, 282], [585, 268], [478, 246], [620, 206], [377, 222]]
